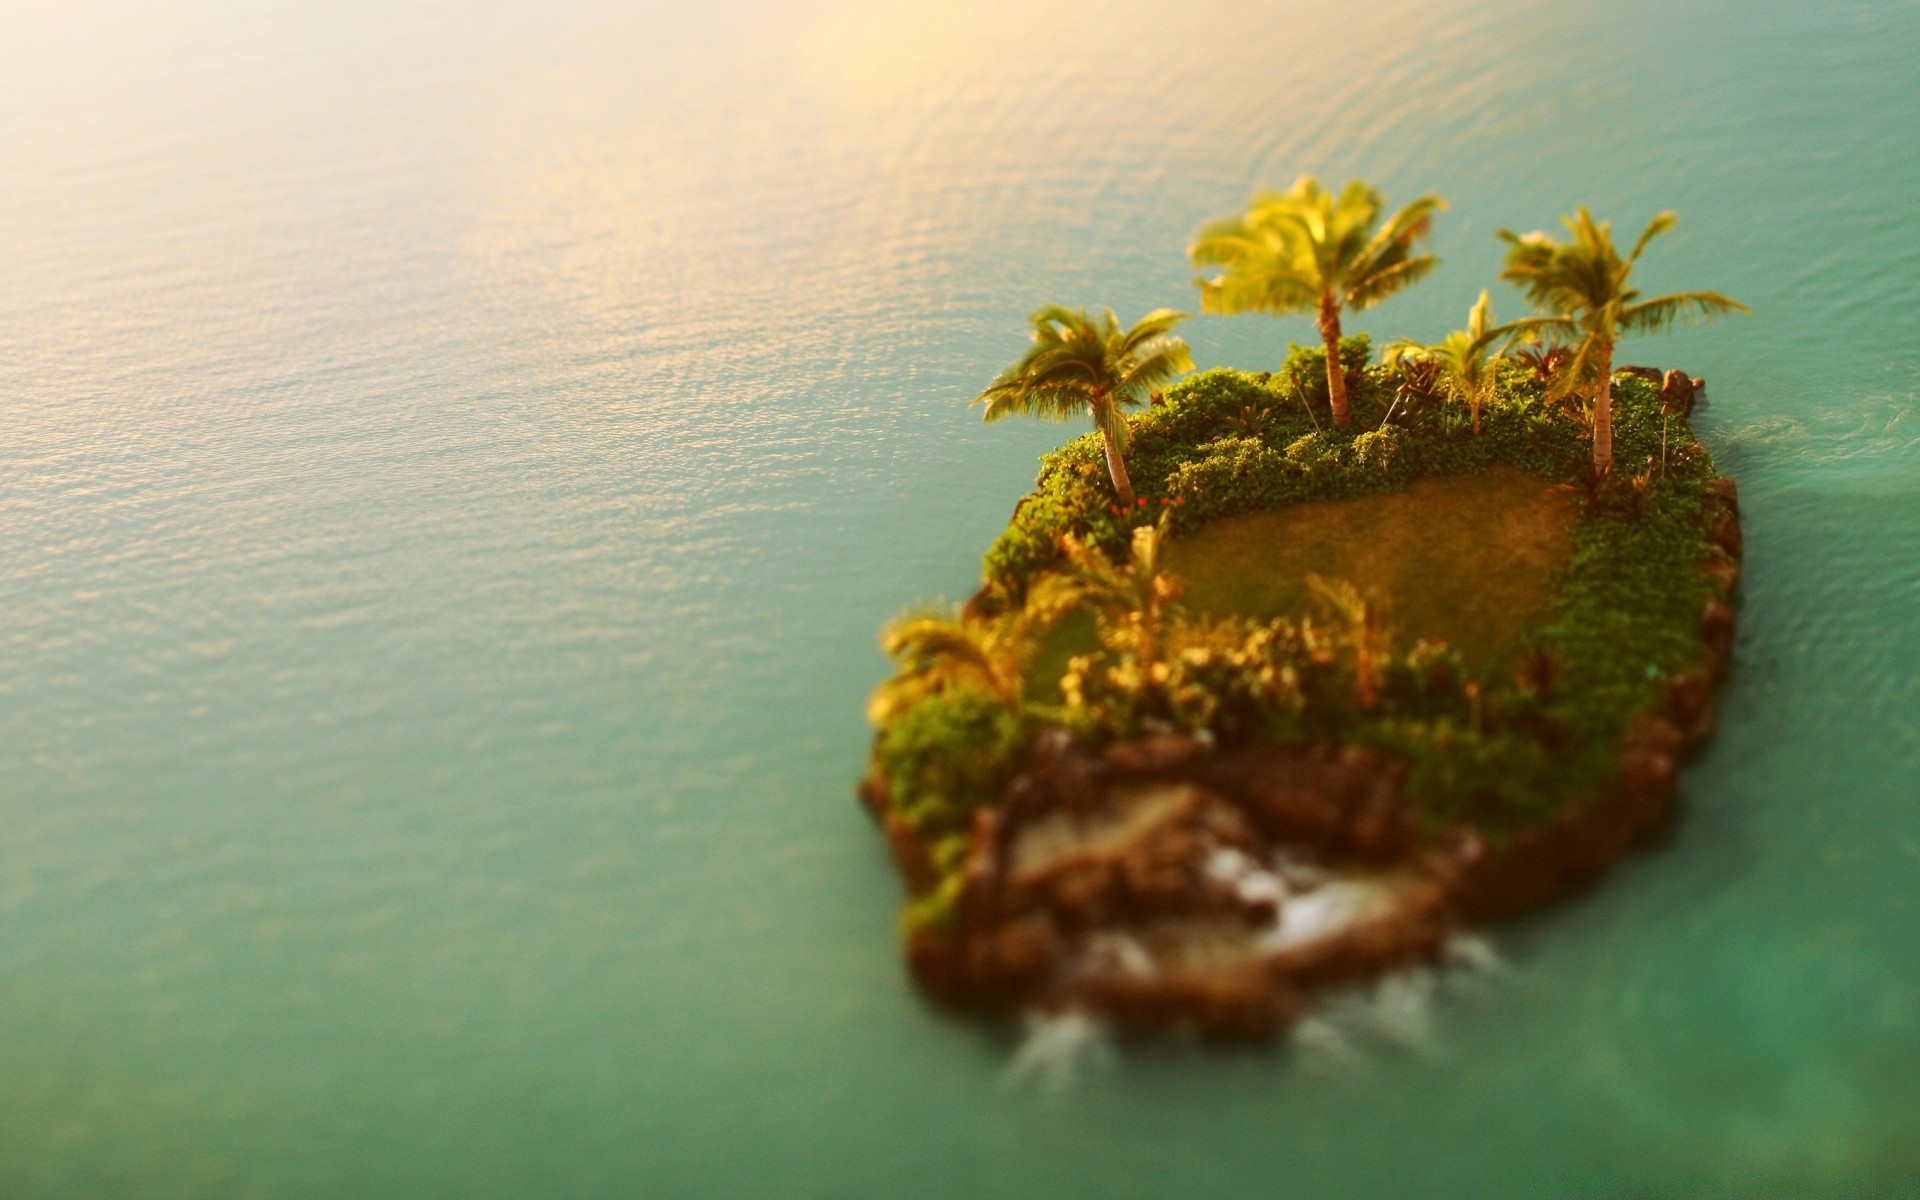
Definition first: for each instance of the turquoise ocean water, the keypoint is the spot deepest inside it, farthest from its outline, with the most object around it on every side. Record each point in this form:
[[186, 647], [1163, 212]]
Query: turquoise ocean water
[[454, 460]]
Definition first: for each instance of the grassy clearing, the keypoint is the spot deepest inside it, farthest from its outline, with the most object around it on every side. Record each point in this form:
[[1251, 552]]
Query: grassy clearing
[[1467, 559], [1470, 560]]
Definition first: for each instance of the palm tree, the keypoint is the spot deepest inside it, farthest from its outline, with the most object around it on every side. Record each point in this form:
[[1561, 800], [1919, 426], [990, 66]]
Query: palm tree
[[1583, 285], [1082, 364], [1367, 633], [1467, 369], [1308, 250], [938, 648], [1134, 604]]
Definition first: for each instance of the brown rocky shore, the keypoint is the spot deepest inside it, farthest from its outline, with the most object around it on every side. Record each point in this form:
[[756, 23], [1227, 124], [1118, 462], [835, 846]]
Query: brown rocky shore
[[1169, 882]]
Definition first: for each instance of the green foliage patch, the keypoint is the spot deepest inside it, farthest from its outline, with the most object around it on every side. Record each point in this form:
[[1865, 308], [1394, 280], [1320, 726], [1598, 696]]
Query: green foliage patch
[[947, 754], [1225, 442], [1499, 752]]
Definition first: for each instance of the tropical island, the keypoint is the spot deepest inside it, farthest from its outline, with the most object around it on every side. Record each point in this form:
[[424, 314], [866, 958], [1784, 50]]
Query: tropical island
[[1278, 679]]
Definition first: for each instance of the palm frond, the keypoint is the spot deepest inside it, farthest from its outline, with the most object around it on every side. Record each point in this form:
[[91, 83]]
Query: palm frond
[[1551, 329], [1272, 290], [1132, 603], [1404, 350], [1508, 333], [1395, 240], [1377, 286], [1153, 325], [1052, 320], [1156, 364], [1228, 243], [1663, 312], [1588, 233], [1111, 419], [1357, 208], [1306, 204], [1338, 596], [937, 647], [1480, 315], [1582, 369], [928, 633], [1661, 223]]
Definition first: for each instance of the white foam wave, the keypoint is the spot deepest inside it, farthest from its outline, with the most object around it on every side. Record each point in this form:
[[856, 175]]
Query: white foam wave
[[1398, 1013], [1059, 1051]]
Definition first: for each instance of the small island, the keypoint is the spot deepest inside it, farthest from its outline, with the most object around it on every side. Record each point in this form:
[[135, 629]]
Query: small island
[[1279, 679]]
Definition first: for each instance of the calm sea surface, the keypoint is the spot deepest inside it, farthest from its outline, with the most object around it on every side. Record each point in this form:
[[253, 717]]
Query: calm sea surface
[[454, 459]]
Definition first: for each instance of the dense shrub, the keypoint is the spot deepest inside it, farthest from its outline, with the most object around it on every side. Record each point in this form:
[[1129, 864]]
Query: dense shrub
[[1319, 452], [1384, 451], [1305, 370], [1231, 677], [1496, 778], [946, 755], [1230, 467]]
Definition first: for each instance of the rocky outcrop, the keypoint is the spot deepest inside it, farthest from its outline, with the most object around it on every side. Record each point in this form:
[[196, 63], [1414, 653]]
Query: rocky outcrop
[[1552, 860], [1160, 884], [1677, 390], [1343, 806]]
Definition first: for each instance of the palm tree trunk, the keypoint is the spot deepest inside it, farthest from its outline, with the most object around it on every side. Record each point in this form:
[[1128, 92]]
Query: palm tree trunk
[[1603, 416], [1117, 467], [1336, 372]]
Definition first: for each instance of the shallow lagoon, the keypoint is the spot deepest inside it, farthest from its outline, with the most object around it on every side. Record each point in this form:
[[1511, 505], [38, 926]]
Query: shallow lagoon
[[456, 461]]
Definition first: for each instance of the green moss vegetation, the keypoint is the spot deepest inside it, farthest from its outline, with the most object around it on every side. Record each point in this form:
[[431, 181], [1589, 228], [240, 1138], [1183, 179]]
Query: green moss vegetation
[[1446, 577]]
